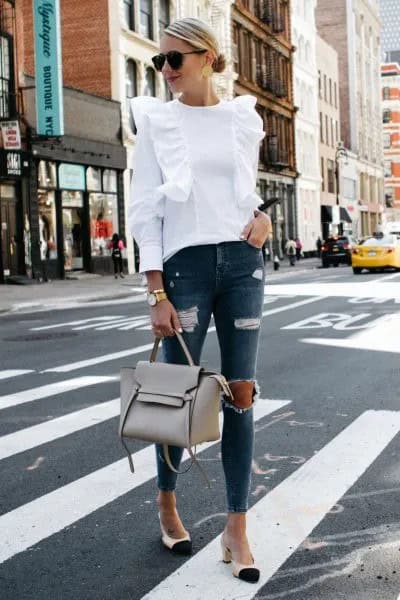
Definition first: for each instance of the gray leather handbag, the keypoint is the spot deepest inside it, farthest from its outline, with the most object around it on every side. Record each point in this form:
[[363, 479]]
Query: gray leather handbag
[[169, 404]]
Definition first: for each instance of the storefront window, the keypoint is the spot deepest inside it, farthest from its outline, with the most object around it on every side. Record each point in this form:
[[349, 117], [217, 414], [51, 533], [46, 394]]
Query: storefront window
[[72, 214], [93, 179], [47, 174], [103, 222], [110, 181], [47, 224]]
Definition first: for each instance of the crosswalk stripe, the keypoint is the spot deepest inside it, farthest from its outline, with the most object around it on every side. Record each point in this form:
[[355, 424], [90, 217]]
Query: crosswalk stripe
[[52, 512], [124, 353], [43, 433], [51, 389], [9, 373], [75, 324], [89, 362], [280, 521]]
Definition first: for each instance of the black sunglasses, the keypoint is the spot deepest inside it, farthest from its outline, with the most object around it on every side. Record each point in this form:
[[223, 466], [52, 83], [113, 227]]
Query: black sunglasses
[[174, 58]]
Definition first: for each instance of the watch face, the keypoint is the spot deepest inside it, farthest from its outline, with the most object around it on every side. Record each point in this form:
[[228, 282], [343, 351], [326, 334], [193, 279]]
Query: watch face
[[151, 299]]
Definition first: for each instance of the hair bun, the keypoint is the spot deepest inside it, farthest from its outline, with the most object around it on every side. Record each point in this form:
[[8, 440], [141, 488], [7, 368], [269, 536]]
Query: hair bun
[[219, 64]]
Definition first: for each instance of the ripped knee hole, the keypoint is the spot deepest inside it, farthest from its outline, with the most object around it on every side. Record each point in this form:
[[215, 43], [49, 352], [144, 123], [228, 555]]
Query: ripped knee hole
[[243, 392]]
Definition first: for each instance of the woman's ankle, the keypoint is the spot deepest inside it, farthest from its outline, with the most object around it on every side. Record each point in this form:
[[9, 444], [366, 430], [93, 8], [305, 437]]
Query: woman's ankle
[[236, 525], [166, 500]]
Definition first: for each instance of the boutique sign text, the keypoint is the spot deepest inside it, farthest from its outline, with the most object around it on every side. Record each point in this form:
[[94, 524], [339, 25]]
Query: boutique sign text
[[49, 90]]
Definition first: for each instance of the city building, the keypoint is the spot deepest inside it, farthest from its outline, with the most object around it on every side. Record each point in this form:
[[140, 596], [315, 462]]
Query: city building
[[334, 211], [262, 60], [390, 36], [64, 194], [353, 29], [14, 161], [305, 77], [391, 138]]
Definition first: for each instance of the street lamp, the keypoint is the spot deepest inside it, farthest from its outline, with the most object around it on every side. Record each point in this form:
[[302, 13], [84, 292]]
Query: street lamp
[[341, 152]]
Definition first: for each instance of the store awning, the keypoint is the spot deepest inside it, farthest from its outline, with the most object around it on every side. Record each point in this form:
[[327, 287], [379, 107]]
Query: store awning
[[344, 215], [326, 213]]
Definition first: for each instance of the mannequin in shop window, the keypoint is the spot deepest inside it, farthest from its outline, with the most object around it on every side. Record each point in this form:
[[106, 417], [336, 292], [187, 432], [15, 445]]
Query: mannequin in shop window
[[44, 235]]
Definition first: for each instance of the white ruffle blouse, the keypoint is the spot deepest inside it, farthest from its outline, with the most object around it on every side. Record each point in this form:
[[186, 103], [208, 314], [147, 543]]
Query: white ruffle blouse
[[194, 174]]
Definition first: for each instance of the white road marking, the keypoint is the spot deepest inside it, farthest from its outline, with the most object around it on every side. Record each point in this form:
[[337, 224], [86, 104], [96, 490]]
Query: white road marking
[[43, 433], [120, 322], [89, 362], [338, 290], [339, 321], [386, 277], [32, 522], [94, 320], [52, 389], [9, 373], [282, 519], [124, 353], [383, 337], [83, 302]]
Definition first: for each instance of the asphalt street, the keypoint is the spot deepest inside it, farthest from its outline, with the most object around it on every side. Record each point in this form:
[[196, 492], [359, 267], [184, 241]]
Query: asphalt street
[[325, 517]]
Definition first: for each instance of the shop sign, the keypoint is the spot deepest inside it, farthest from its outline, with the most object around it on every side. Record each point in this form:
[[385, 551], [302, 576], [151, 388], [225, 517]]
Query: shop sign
[[14, 164], [11, 135], [49, 90], [71, 177]]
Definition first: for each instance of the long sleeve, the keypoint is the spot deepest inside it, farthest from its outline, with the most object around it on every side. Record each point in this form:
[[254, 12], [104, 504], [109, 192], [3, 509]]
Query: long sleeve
[[145, 214]]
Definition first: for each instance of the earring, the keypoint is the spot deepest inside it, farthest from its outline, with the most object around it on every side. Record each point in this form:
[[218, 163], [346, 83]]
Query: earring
[[207, 71]]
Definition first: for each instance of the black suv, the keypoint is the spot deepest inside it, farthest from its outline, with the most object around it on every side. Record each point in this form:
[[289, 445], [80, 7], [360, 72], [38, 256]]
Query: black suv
[[336, 250]]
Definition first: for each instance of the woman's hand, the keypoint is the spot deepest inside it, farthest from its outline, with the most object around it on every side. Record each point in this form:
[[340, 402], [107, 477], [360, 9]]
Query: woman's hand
[[257, 230], [164, 319]]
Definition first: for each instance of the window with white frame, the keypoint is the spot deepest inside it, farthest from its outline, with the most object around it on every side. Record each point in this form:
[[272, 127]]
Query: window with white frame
[[386, 139], [130, 86], [146, 18], [129, 14], [150, 82], [163, 15], [387, 168]]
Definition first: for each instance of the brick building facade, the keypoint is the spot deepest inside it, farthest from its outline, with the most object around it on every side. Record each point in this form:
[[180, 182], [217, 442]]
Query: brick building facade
[[391, 138], [262, 55], [69, 196]]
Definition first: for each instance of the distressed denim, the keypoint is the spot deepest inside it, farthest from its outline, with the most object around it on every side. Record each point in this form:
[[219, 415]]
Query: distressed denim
[[226, 280]]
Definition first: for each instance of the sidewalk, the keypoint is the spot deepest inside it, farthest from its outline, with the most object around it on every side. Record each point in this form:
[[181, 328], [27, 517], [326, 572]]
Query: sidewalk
[[92, 288]]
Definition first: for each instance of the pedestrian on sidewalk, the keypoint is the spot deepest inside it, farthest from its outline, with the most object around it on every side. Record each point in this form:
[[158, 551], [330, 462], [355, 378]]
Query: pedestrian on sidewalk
[[319, 246], [291, 251], [299, 247], [197, 266], [116, 246]]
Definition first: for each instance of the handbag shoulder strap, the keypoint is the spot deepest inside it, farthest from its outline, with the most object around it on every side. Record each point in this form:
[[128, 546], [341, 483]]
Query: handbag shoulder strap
[[193, 461]]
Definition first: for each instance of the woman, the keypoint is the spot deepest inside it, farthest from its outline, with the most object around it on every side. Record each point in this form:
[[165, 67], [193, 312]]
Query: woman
[[194, 216], [116, 246]]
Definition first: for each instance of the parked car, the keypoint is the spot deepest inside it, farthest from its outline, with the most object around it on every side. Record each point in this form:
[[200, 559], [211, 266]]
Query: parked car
[[336, 250], [376, 253]]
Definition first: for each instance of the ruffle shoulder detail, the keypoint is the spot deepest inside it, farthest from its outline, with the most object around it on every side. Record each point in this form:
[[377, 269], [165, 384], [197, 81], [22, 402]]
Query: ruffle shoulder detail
[[249, 132], [171, 151], [142, 106]]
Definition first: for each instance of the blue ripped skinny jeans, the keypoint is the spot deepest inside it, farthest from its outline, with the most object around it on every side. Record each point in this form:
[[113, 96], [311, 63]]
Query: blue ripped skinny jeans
[[226, 280]]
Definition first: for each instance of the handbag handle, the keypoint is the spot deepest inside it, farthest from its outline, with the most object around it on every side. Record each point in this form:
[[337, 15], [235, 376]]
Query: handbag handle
[[185, 349]]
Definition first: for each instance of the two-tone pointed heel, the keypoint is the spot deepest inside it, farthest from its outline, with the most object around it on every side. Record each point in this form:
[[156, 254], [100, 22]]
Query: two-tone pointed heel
[[249, 573], [176, 545]]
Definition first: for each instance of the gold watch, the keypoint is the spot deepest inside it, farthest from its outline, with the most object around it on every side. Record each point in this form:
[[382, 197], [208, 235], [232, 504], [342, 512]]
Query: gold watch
[[156, 296]]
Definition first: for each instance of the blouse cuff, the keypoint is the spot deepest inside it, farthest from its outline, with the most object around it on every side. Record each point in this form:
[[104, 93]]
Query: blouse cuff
[[150, 258]]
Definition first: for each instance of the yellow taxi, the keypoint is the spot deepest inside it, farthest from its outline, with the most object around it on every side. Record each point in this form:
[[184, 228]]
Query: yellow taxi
[[376, 252]]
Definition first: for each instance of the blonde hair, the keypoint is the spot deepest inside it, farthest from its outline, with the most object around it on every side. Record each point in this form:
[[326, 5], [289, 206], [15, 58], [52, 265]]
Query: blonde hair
[[199, 35]]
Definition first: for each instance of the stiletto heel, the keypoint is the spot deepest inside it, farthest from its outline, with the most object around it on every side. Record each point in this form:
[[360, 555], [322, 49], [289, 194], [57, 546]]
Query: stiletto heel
[[249, 573], [176, 545]]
